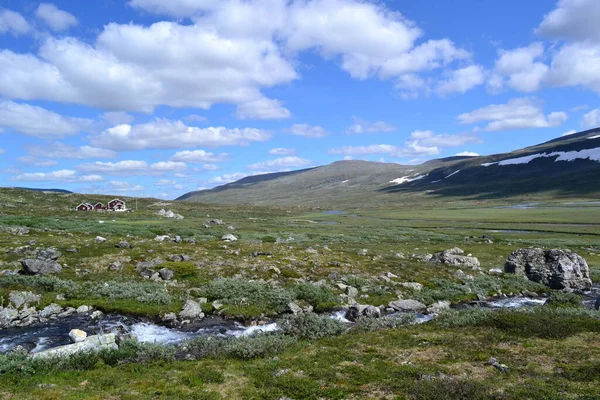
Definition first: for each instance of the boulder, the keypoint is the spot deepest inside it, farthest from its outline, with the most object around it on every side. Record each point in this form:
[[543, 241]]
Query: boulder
[[352, 292], [556, 268], [92, 343], [166, 274], [7, 316], [40, 267], [229, 238], [23, 299], [99, 239], [50, 310], [357, 311], [48, 254], [123, 244], [362, 252], [412, 285], [294, 308], [116, 266], [77, 335], [82, 309], [191, 310], [439, 306], [455, 257], [407, 305]]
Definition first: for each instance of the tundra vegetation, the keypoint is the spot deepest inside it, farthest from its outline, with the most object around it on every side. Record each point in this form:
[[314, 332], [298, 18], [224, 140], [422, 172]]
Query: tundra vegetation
[[297, 266]]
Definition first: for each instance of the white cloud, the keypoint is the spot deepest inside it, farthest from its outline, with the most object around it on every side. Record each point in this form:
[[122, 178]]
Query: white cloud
[[117, 117], [280, 163], [164, 182], [211, 167], [411, 149], [467, 154], [307, 131], [36, 162], [461, 80], [37, 121], [195, 118], [572, 131], [572, 19], [576, 64], [167, 134], [361, 126], [281, 151], [132, 167], [63, 175], [176, 8], [55, 18], [227, 178], [519, 70], [13, 22], [62, 150], [519, 113], [2, 151], [199, 156], [122, 186], [262, 109], [591, 119], [430, 139]]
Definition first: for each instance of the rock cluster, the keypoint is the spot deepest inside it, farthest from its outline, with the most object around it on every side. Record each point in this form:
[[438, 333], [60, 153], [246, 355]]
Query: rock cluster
[[169, 214], [82, 343], [556, 268], [44, 264], [146, 270], [455, 257]]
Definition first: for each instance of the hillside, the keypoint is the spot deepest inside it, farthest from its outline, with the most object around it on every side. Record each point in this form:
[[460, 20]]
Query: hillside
[[568, 166]]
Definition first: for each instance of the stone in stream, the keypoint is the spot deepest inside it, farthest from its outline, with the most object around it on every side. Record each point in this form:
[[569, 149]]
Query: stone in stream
[[556, 268], [50, 310], [77, 335], [191, 310], [438, 307], [92, 343], [40, 267]]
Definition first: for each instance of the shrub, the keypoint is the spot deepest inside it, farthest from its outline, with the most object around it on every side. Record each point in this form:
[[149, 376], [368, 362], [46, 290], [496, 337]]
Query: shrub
[[40, 282], [564, 300], [356, 281], [321, 297], [241, 292], [311, 326], [241, 347], [446, 388], [143, 292], [268, 239], [374, 324]]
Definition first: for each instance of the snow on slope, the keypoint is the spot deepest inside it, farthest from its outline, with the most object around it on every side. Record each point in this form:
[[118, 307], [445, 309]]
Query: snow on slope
[[407, 179], [589, 154]]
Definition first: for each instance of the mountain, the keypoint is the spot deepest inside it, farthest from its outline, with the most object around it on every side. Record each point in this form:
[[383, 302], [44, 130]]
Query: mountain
[[567, 166], [44, 190]]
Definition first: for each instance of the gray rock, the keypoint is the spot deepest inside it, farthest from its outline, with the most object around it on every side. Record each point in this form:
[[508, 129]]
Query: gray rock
[[77, 335], [362, 252], [438, 306], [166, 274], [372, 312], [92, 343], [82, 309], [162, 238], [216, 222], [169, 317], [357, 311], [123, 244], [412, 285], [217, 305], [495, 271], [50, 310], [23, 299], [99, 239], [557, 269], [176, 258], [116, 266], [229, 238], [23, 251], [48, 254], [97, 314], [177, 239], [40, 267], [352, 292], [456, 258], [191, 310], [500, 367], [294, 308], [460, 275], [407, 305], [7, 315]]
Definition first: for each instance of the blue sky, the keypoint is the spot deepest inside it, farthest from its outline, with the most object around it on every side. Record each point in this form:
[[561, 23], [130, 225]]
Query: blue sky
[[156, 98]]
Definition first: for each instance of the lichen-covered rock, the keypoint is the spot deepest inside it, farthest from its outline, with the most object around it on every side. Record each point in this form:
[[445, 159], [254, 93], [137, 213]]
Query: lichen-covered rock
[[48, 254], [40, 267], [23, 299], [556, 268], [407, 305], [50, 310], [92, 343], [77, 335], [166, 274], [191, 310], [455, 257], [229, 238]]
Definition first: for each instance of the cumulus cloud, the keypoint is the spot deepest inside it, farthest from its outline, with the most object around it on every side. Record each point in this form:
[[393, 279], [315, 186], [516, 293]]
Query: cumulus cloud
[[55, 18], [63, 175], [591, 119], [122, 187], [467, 154], [262, 109], [575, 64], [167, 134], [13, 22], [519, 113], [519, 69], [210, 167], [572, 19], [279, 164], [132, 167], [2, 151], [362, 126], [227, 178], [281, 151], [62, 150], [37, 121], [430, 139], [199, 156], [307, 131], [461, 80], [572, 131]]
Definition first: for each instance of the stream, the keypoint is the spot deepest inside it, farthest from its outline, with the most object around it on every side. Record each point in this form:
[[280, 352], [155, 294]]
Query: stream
[[36, 338]]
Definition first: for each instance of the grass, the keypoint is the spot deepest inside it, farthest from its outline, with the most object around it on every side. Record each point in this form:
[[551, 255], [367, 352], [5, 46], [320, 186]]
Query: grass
[[552, 351]]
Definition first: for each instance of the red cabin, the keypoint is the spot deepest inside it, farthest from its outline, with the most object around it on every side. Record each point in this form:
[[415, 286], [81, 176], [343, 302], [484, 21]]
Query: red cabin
[[117, 205], [84, 207], [99, 207]]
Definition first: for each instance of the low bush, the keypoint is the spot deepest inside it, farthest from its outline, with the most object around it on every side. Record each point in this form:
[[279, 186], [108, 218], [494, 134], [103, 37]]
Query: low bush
[[39, 282], [321, 297], [311, 326], [446, 388], [241, 347], [143, 292], [564, 300], [241, 292], [374, 324]]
